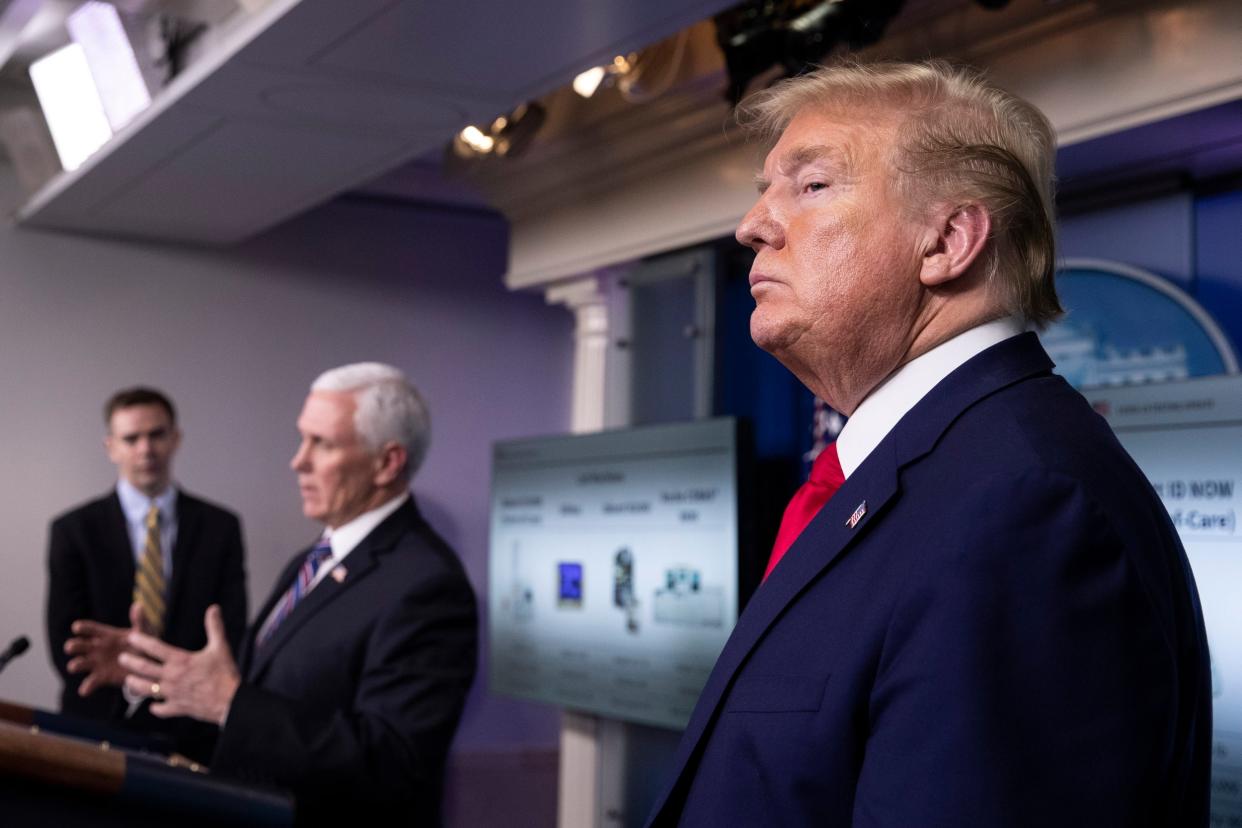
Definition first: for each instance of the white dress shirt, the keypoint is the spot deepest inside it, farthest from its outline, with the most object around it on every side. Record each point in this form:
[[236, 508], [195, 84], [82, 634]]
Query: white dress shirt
[[344, 539], [892, 399]]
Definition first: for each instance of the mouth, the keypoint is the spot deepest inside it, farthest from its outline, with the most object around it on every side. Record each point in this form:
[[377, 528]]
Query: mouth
[[757, 278]]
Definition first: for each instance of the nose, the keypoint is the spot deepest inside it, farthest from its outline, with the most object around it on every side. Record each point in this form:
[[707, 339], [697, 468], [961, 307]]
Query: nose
[[760, 228], [298, 463]]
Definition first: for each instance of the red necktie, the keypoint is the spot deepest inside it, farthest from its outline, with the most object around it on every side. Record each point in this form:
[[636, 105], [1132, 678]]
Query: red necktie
[[826, 477]]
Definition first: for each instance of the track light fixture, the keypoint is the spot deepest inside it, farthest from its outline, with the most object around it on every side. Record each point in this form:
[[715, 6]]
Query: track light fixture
[[586, 83], [507, 136]]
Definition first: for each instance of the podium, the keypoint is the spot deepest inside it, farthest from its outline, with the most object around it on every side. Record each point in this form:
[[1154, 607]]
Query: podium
[[50, 774]]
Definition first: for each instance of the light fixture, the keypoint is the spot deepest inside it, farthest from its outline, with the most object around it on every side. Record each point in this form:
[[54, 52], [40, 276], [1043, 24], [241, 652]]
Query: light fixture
[[588, 83], [508, 135], [476, 140], [75, 114], [98, 29]]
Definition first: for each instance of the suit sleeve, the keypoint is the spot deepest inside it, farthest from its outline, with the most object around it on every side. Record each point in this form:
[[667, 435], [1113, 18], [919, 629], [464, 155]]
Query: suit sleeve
[[68, 595], [232, 595], [989, 695], [389, 742]]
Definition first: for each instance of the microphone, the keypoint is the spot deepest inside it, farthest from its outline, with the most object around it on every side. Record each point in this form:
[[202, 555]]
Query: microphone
[[20, 645]]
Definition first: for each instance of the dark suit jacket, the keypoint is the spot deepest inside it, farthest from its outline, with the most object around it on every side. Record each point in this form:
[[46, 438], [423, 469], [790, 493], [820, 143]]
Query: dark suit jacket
[[1009, 636], [354, 700], [91, 575]]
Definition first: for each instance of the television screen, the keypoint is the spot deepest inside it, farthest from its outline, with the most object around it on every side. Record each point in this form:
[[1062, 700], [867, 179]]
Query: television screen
[[1187, 438], [613, 574]]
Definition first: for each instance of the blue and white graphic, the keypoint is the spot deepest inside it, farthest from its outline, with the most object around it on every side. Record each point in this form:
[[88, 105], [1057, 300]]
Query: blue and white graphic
[[1126, 326]]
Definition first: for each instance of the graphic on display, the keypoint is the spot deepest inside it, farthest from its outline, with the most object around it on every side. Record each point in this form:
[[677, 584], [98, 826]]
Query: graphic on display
[[636, 534], [1127, 326], [1187, 439], [519, 602], [683, 600], [570, 592], [623, 587]]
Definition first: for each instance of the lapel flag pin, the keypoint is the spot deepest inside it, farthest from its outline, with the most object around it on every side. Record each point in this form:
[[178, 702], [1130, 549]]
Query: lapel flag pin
[[858, 515], [339, 574]]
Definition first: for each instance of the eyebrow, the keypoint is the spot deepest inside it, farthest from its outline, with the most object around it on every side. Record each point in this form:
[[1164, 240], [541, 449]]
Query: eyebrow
[[132, 436], [803, 156]]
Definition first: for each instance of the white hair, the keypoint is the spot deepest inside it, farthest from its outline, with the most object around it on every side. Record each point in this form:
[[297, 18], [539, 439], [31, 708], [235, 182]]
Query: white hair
[[390, 409]]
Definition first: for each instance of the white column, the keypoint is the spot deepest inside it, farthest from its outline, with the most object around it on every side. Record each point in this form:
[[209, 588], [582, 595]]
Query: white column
[[587, 300], [588, 794]]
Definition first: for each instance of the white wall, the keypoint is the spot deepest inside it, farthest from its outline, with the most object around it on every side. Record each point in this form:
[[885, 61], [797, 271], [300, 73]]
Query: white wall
[[236, 336]]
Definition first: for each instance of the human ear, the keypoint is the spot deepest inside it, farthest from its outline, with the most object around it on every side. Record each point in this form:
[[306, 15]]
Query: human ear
[[389, 463], [961, 233]]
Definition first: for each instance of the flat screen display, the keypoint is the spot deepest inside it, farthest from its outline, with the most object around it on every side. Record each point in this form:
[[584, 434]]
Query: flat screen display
[[1187, 439], [613, 568]]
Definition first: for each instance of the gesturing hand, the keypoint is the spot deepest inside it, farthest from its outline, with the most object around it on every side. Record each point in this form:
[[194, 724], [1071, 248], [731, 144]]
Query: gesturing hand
[[95, 648], [198, 684]]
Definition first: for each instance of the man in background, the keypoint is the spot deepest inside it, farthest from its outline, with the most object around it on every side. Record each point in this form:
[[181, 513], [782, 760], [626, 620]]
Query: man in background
[[351, 680], [145, 553], [991, 622]]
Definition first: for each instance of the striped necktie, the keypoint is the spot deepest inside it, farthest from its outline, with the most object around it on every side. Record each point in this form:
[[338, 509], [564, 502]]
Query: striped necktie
[[321, 553], [149, 579]]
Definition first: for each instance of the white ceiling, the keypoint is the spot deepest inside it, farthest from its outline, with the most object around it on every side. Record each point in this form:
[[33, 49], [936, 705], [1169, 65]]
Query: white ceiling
[[306, 99]]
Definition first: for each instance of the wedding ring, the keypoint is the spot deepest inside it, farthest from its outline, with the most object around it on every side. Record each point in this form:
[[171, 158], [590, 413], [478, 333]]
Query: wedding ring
[[155, 689]]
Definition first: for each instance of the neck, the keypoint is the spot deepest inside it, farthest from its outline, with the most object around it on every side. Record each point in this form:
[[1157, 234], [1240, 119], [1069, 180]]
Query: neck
[[843, 381], [377, 499], [152, 491]]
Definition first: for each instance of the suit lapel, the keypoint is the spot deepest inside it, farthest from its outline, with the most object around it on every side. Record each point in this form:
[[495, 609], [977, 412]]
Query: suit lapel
[[868, 491], [285, 579], [828, 535], [359, 564], [119, 556]]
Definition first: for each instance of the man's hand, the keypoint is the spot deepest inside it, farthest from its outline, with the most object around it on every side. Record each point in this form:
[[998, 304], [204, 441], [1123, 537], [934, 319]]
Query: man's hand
[[95, 648], [200, 685]]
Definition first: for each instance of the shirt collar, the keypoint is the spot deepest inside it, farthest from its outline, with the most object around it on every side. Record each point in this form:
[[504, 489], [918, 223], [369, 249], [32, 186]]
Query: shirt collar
[[347, 536], [135, 504], [884, 407]]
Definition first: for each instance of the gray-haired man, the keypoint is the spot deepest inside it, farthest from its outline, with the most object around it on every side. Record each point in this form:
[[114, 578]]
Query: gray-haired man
[[352, 678]]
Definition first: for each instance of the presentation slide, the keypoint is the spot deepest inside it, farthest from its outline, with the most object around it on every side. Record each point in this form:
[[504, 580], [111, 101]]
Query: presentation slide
[[613, 568], [1187, 438]]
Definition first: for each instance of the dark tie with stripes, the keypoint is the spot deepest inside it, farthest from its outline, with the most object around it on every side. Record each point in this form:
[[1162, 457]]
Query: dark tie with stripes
[[320, 554], [149, 578]]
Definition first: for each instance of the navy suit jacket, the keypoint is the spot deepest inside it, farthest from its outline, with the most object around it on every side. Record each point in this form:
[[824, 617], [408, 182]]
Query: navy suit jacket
[[91, 575], [353, 701], [1008, 635]]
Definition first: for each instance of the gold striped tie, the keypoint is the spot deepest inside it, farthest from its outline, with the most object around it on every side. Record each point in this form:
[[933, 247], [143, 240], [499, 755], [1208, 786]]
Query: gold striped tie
[[149, 580]]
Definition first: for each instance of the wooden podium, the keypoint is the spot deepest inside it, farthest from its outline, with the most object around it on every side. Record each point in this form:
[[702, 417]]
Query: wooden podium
[[48, 777]]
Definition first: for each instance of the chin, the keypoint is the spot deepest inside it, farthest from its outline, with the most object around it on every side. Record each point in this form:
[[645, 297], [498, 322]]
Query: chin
[[769, 334]]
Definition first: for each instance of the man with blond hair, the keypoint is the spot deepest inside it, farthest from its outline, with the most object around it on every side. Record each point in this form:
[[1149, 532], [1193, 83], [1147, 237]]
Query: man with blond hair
[[991, 622], [352, 678]]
